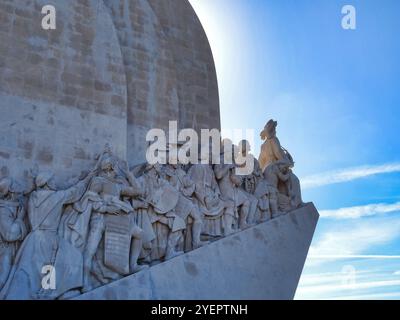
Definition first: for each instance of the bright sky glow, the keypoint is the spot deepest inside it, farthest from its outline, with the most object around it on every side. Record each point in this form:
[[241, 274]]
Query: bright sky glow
[[336, 96]]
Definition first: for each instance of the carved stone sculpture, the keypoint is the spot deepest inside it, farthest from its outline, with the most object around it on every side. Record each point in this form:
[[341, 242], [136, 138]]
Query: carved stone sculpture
[[168, 226], [271, 150], [275, 178], [251, 179], [12, 228], [44, 247], [113, 222], [239, 204], [207, 196], [185, 207], [111, 219]]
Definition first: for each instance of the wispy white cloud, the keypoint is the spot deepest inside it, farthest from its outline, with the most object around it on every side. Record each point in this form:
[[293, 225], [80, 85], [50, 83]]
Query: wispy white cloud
[[331, 277], [352, 279], [355, 256], [361, 211], [396, 273], [374, 296], [329, 290], [356, 239], [356, 286], [346, 175]]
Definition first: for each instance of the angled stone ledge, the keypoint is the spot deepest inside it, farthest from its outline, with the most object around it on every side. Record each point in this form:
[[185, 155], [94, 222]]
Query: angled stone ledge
[[263, 262]]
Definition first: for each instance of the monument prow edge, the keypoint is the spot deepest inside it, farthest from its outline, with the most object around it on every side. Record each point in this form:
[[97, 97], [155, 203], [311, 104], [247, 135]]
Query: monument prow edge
[[260, 263]]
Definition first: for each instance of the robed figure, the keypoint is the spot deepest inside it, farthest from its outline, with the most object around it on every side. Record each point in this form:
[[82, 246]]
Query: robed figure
[[43, 254]]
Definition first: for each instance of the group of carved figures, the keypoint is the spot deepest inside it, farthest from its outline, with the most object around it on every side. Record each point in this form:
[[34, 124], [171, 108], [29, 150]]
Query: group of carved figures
[[116, 221]]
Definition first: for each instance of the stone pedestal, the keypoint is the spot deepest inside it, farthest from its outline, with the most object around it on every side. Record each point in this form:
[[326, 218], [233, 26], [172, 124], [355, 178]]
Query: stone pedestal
[[263, 262]]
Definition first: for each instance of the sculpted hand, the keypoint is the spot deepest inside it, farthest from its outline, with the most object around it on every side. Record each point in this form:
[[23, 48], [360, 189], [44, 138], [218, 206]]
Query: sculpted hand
[[144, 205], [21, 213]]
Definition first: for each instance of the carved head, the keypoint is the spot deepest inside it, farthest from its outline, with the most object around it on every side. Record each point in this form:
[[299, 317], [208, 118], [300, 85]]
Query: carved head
[[269, 130], [108, 166], [5, 187], [43, 179], [154, 171], [283, 166], [244, 147]]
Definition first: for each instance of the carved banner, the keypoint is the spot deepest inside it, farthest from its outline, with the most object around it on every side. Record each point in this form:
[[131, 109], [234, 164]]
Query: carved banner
[[117, 243]]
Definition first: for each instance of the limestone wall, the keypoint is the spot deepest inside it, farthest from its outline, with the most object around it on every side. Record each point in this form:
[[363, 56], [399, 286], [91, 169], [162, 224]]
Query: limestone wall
[[111, 70]]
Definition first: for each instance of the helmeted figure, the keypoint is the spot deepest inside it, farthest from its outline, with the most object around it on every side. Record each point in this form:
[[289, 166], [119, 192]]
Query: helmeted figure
[[44, 248], [12, 228]]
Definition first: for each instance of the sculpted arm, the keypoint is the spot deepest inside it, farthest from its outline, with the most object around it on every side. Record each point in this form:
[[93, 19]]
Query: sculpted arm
[[76, 192], [131, 191], [11, 229], [262, 159], [277, 149], [135, 189]]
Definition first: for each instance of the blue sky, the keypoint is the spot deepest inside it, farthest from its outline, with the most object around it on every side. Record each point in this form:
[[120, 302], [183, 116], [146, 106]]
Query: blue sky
[[336, 96]]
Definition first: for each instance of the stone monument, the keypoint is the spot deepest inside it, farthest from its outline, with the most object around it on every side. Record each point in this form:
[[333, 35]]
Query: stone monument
[[83, 215]]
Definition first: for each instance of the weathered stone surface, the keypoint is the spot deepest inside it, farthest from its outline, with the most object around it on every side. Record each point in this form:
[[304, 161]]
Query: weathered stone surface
[[269, 266], [51, 108], [112, 70]]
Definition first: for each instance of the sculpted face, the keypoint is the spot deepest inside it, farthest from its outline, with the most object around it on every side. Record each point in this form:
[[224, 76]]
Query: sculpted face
[[269, 130], [284, 168], [107, 166], [42, 180], [5, 185]]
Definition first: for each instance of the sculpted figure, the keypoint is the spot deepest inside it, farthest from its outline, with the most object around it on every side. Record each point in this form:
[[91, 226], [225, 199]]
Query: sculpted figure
[[185, 208], [168, 226], [44, 248], [12, 228], [294, 190], [276, 176], [271, 150], [252, 175], [239, 203], [112, 219], [207, 196]]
